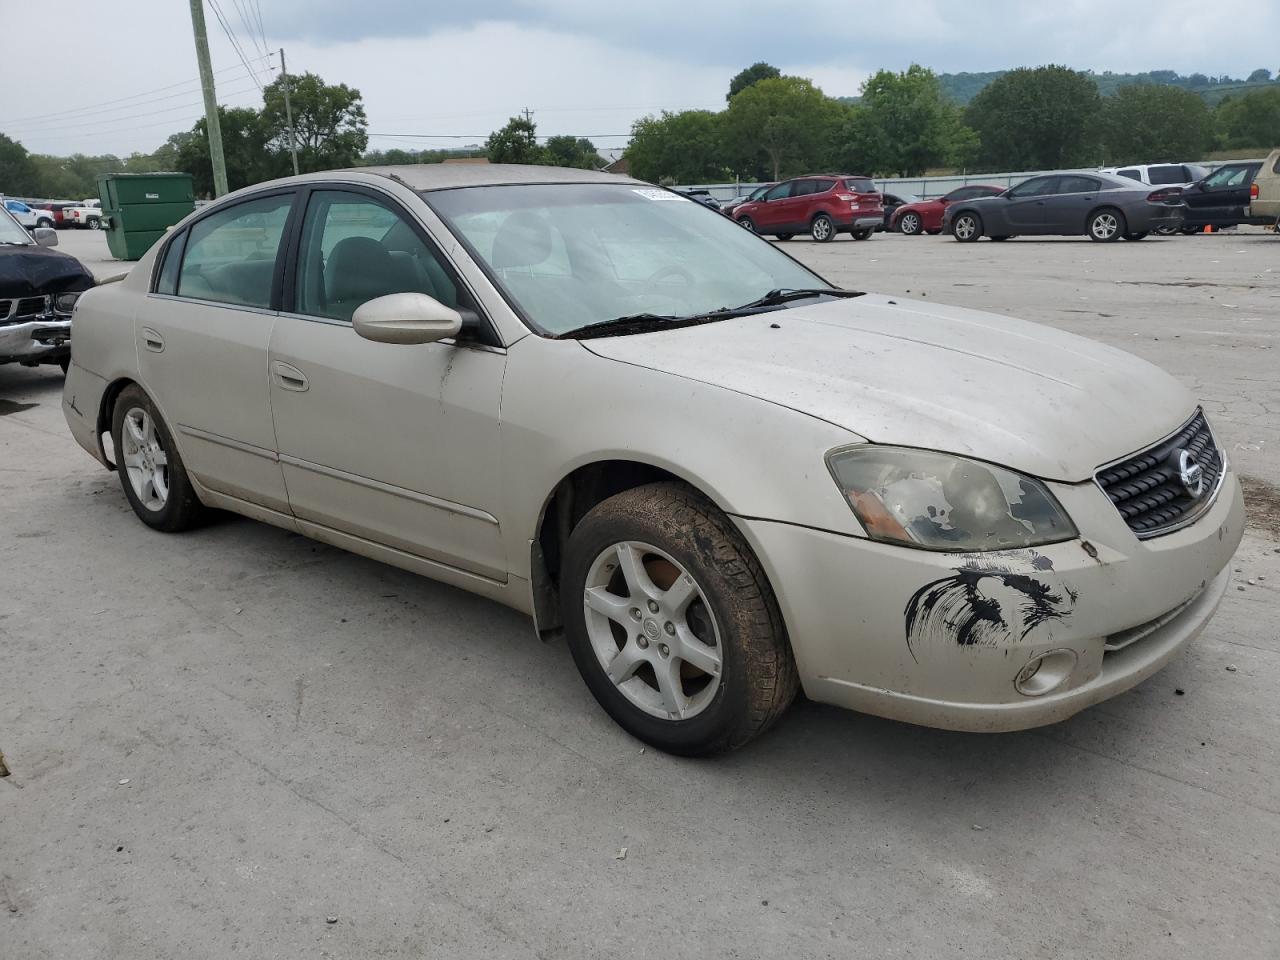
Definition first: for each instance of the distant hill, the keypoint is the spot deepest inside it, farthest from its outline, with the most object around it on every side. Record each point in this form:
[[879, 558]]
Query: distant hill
[[963, 87]]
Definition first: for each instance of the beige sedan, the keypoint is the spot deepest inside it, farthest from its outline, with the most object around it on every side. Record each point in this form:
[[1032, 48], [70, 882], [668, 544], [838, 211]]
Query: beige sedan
[[718, 477]]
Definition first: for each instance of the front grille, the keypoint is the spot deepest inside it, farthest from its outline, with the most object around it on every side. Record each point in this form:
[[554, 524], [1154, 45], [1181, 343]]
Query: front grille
[[29, 307], [1158, 490]]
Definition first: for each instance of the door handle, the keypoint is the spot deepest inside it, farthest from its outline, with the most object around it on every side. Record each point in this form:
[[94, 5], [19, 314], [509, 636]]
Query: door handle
[[154, 342], [290, 377]]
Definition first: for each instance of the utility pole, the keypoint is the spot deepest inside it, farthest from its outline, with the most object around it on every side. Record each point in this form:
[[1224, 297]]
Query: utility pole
[[288, 114], [528, 114], [210, 99]]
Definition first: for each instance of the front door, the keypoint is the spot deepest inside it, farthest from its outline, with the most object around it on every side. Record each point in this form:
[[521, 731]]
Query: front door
[[397, 444], [1023, 206], [779, 204], [202, 337]]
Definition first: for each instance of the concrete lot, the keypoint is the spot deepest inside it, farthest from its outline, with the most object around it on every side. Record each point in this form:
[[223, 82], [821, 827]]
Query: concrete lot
[[221, 739]]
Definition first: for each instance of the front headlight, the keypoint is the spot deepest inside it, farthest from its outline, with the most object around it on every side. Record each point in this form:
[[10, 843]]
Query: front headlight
[[936, 501], [65, 302]]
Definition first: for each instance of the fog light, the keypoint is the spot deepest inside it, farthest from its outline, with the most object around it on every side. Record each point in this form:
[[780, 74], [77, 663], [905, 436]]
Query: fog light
[[1045, 673]]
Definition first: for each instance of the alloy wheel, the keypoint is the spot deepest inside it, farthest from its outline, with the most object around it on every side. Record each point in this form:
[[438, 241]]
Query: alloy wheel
[[965, 227], [910, 223], [821, 229], [1104, 226], [145, 459], [652, 631]]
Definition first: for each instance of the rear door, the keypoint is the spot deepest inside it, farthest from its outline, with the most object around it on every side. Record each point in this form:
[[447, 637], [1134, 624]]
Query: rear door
[[202, 336], [1072, 198]]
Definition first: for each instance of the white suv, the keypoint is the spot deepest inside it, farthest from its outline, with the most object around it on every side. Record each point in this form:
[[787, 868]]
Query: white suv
[[1161, 174]]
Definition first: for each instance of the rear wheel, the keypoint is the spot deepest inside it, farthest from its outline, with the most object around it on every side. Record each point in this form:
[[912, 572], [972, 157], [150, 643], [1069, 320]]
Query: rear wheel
[[672, 623], [822, 229], [151, 471], [785, 236], [863, 234], [1136, 236], [1106, 225], [95, 224], [966, 227], [911, 224], [1166, 231], [1000, 238]]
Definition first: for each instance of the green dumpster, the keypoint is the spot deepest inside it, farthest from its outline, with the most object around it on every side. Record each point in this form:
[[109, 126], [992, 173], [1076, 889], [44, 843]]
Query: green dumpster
[[137, 208]]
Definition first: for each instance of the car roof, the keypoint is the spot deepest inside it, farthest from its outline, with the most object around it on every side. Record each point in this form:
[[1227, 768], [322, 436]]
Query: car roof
[[448, 176]]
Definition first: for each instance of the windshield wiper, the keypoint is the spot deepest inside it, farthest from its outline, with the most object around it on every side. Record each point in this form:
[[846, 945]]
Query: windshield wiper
[[783, 295], [631, 323]]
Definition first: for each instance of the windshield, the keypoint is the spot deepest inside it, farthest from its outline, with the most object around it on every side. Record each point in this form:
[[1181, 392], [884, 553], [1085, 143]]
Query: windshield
[[569, 255], [11, 231]]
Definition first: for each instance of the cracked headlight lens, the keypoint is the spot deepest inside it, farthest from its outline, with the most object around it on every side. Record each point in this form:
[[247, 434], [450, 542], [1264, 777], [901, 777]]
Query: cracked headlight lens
[[937, 501]]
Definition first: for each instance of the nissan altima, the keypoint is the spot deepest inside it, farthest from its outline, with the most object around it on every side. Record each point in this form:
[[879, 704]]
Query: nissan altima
[[718, 477]]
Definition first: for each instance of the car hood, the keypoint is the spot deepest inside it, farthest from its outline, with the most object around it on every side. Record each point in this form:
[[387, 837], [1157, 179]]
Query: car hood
[[900, 371], [34, 271]]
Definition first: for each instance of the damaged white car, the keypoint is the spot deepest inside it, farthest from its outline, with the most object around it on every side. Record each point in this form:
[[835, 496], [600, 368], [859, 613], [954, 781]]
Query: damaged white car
[[722, 479]]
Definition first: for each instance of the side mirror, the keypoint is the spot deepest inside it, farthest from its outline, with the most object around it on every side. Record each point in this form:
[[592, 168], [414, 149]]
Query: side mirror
[[45, 236], [406, 318]]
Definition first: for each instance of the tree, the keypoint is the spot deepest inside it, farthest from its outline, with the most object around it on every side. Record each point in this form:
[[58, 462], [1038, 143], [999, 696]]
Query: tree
[[1250, 121], [18, 174], [332, 130], [1144, 123], [1261, 75], [1036, 119], [786, 122], [244, 145], [683, 147], [903, 125], [568, 151], [517, 142], [753, 74]]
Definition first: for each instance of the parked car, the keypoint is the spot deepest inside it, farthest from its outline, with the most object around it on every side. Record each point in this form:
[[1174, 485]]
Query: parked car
[[892, 202], [1264, 203], [523, 381], [1098, 205], [756, 194], [1160, 174], [38, 291], [30, 217], [1221, 199], [88, 213], [703, 197], [925, 216], [821, 206], [58, 210]]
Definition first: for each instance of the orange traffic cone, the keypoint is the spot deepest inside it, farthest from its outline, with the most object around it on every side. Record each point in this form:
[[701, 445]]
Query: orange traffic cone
[[1208, 228]]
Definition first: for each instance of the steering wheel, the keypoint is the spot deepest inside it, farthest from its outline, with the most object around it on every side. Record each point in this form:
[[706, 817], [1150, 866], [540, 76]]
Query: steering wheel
[[673, 270]]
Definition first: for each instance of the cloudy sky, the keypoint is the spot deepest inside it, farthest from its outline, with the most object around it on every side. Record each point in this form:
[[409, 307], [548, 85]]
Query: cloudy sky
[[124, 77]]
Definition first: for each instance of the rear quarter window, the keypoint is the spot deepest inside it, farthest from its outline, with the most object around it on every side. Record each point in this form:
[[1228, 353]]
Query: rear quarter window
[[859, 185], [1129, 174]]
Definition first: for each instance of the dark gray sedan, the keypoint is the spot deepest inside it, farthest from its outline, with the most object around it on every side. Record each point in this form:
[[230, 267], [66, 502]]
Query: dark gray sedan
[[1098, 205]]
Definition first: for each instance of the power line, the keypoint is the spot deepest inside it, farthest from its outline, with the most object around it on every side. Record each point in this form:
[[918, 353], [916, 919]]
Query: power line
[[139, 126], [96, 106], [81, 124], [235, 44]]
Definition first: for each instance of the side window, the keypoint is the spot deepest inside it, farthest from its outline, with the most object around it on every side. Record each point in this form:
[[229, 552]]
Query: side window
[[822, 186], [355, 249], [781, 191], [1076, 184], [804, 188], [1035, 187], [167, 280], [1166, 174], [230, 255]]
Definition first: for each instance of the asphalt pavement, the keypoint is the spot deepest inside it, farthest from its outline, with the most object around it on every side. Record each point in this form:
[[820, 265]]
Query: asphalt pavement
[[239, 742]]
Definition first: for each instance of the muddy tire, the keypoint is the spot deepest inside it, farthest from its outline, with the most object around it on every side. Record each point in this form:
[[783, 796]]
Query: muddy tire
[[151, 470], [672, 622]]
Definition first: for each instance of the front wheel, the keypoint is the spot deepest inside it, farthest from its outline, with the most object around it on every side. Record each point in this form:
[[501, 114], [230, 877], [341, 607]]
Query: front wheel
[[911, 224], [672, 623], [822, 229], [1136, 236], [747, 224], [151, 470], [863, 234], [44, 222], [1106, 226], [966, 227], [785, 236]]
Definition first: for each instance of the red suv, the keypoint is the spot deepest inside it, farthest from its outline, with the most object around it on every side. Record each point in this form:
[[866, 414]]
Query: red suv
[[820, 206]]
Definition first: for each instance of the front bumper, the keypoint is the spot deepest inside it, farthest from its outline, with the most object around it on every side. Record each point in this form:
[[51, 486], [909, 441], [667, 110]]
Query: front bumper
[[896, 632], [41, 338]]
